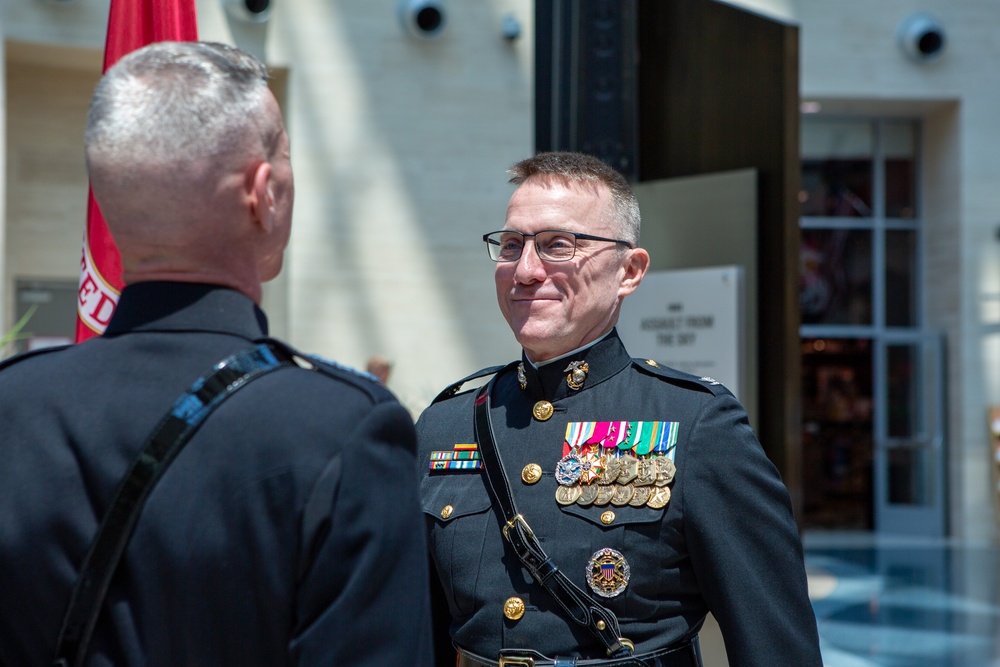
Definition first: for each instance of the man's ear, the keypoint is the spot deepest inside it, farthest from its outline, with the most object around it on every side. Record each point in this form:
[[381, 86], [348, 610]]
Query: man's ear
[[260, 197], [635, 268]]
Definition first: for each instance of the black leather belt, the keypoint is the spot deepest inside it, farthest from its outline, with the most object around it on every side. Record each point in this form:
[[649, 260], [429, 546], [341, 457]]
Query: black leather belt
[[685, 654]]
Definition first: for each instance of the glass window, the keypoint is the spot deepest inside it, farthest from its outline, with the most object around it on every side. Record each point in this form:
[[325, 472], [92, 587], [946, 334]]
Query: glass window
[[837, 432], [901, 278], [49, 308], [837, 169], [909, 479], [835, 276], [903, 384], [899, 145]]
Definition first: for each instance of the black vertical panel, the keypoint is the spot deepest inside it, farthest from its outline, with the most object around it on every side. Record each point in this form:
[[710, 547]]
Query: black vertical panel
[[586, 79], [719, 88]]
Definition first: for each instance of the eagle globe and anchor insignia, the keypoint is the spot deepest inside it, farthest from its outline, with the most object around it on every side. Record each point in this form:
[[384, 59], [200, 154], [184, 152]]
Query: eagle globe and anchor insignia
[[608, 573]]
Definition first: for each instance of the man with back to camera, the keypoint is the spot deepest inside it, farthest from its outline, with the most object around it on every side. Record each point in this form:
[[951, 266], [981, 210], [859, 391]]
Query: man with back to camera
[[286, 531], [587, 508]]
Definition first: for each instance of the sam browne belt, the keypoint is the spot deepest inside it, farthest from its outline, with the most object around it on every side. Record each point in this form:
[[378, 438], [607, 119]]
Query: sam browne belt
[[683, 654]]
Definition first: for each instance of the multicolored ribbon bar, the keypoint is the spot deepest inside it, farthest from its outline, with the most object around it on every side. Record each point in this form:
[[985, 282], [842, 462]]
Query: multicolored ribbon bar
[[643, 438], [646, 437], [456, 465], [464, 456]]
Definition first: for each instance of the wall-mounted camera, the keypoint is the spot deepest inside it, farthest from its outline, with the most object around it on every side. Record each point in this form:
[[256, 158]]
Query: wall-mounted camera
[[921, 37], [422, 18], [251, 11]]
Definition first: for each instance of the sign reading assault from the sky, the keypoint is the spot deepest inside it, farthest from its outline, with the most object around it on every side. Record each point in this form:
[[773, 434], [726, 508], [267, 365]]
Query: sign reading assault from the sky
[[691, 320]]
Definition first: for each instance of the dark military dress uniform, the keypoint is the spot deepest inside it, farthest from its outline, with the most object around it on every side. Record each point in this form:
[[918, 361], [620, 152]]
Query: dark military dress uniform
[[286, 532], [722, 539]]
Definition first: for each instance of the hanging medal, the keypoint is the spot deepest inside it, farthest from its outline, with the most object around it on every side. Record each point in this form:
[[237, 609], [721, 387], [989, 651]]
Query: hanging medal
[[664, 455], [570, 466]]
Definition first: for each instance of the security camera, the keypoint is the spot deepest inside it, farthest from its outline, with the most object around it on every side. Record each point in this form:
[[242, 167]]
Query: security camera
[[921, 37], [422, 18], [510, 27], [251, 11]]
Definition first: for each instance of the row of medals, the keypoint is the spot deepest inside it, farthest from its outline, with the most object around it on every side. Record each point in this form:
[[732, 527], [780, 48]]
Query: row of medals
[[624, 480]]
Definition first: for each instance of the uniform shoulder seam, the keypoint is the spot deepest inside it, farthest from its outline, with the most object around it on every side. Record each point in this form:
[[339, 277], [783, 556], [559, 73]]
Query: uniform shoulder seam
[[364, 382], [658, 370], [454, 388], [6, 363]]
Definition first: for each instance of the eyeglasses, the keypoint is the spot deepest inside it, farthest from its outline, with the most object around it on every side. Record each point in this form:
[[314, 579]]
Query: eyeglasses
[[553, 245]]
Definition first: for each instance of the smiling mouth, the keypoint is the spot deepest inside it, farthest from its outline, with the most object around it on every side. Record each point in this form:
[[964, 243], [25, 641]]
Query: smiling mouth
[[528, 299]]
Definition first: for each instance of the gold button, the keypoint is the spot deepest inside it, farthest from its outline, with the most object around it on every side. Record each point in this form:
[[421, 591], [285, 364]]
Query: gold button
[[543, 410], [652, 363], [531, 473], [446, 511], [607, 517], [513, 608], [600, 625]]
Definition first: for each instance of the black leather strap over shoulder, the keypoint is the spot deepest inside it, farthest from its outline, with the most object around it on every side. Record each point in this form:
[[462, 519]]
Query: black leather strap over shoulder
[[161, 447], [580, 607]]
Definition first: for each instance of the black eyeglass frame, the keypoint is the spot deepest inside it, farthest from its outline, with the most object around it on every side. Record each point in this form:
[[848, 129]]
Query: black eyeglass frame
[[576, 237]]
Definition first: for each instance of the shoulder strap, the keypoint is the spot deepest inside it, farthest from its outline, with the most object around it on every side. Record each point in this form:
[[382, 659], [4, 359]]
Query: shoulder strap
[[161, 447], [454, 388], [583, 609]]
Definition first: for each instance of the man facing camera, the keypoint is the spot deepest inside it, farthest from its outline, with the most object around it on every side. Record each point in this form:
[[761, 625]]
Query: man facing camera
[[587, 508]]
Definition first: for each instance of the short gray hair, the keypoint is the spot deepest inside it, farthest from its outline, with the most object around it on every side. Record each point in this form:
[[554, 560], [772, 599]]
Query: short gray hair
[[179, 103], [582, 167]]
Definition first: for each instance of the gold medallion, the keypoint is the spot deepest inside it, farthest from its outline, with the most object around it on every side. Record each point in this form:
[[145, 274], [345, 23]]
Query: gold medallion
[[531, 473], [513, 608], [646, 472], [588, 495], [608, 573], [659, 497], [629, 468], [665, 470], [567, 495], [604, 495], [612, 468], [640, 496], [623, 494], [543, 410]]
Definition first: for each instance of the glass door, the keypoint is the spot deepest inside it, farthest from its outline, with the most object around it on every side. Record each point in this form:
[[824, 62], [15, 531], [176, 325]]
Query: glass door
[[910, 460]]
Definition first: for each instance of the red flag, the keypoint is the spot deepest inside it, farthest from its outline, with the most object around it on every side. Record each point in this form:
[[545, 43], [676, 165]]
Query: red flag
[[131, 24]]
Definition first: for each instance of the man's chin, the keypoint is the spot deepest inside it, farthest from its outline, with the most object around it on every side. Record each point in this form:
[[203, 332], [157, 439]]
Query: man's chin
[[537, 343]]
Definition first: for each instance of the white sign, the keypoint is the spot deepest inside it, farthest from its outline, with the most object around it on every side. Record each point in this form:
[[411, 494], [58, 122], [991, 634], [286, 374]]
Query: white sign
[[691, 320]]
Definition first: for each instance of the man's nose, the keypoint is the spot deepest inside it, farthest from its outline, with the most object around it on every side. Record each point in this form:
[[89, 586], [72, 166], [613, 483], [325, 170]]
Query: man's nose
[[530, 266]]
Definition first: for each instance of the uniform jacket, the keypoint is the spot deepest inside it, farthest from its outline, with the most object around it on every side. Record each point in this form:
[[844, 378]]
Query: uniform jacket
[[287, 531], [726, 541]]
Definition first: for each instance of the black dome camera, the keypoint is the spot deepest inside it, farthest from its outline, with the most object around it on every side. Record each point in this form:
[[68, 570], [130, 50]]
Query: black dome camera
[[921, 37], [422, 18], [251, 11]]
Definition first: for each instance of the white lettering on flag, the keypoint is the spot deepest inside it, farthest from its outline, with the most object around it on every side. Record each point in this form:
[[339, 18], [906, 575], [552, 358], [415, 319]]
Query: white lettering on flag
[[96, 298]]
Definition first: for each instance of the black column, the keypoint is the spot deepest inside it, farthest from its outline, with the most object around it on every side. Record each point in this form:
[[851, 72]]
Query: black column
[[586, 79]]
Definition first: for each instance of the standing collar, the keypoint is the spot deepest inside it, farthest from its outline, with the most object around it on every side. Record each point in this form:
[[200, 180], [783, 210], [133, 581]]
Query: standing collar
[[604, 358], [170, 306]]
